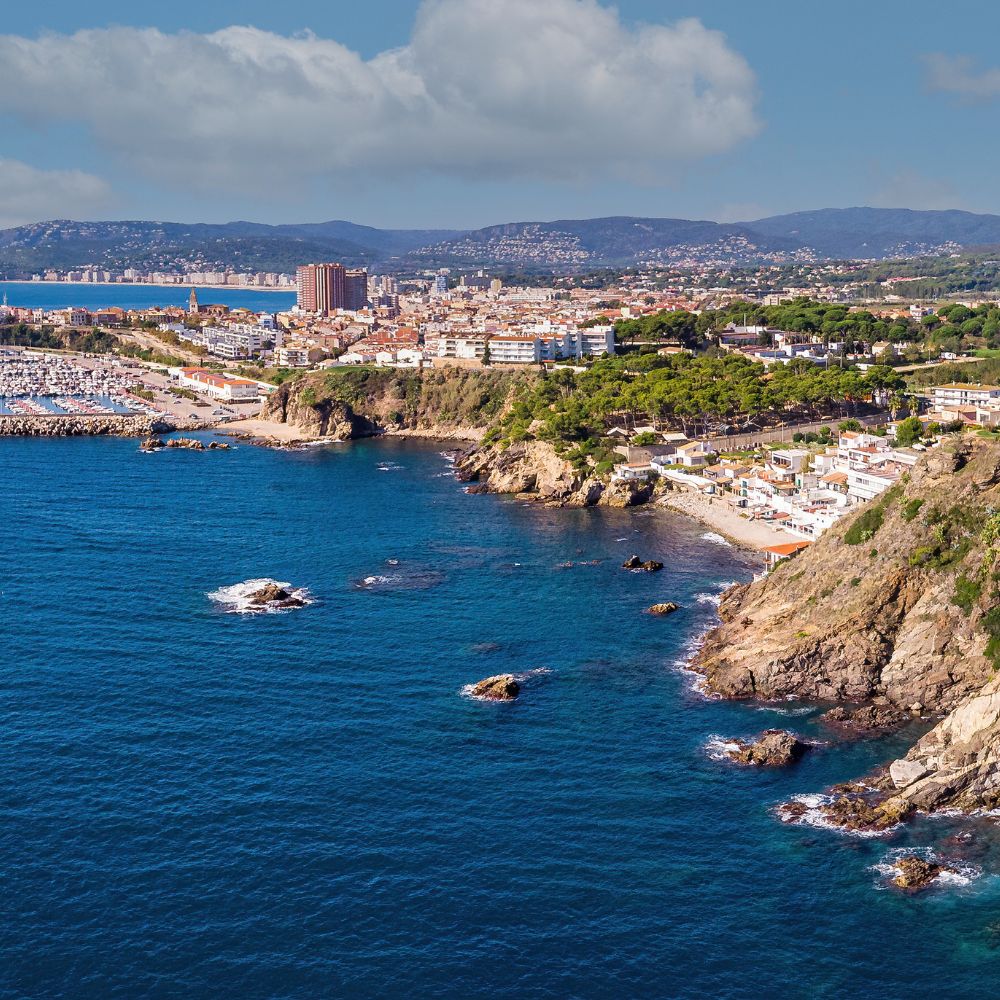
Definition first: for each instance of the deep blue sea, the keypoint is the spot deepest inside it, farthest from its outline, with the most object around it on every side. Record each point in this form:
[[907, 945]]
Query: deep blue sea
[[62, 295], [196, 803]]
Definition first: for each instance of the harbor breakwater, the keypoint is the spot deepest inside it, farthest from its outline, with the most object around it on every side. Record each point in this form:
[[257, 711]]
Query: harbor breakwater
[[122, 425]]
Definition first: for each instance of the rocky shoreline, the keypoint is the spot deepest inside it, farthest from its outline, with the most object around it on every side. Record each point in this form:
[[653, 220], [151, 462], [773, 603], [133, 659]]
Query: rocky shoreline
[[895, 623]]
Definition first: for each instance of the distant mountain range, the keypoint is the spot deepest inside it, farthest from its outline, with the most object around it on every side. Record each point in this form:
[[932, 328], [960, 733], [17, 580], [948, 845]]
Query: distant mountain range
[[562, 246]]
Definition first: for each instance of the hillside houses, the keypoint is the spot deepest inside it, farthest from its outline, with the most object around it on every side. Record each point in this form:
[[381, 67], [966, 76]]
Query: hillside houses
[[802, 492]]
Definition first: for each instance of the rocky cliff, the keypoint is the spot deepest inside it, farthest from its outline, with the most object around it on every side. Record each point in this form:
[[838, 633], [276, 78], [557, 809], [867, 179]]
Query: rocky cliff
[[896, 606], [353, 403], [534, 470], [456, 404]]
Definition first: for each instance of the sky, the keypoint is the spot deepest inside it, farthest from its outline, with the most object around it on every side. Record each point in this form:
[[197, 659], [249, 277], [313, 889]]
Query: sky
[[466, 113]]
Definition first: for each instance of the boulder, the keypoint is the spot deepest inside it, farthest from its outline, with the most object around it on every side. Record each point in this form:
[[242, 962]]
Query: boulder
[[151, 443], [649, 565], [914, 873], [666, 608], [904, 772], [276, 596], [773, 748], [192, 443], [502, 687]]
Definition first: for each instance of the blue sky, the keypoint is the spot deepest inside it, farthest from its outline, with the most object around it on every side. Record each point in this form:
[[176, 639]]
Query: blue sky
[[461, 113]]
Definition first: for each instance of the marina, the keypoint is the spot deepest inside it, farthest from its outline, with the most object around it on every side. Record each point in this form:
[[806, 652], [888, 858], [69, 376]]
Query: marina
[[51, 385]]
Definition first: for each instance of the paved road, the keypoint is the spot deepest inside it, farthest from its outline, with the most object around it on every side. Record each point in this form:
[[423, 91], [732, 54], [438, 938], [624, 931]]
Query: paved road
[[734, 442]]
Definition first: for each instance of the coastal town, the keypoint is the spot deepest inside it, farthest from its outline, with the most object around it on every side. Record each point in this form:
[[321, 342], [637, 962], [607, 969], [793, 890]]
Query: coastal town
[[777, 488]]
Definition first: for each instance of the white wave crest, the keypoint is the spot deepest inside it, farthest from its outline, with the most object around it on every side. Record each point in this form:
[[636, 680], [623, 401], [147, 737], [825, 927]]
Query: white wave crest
[[711, 536], [814, 816], [719, 747], [236, 599]]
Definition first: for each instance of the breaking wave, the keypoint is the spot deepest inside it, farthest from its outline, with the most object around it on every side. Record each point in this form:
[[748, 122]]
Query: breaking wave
[[711, 536]]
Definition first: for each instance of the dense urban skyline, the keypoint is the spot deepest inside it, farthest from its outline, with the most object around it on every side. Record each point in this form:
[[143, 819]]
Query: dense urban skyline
[[535, 111]]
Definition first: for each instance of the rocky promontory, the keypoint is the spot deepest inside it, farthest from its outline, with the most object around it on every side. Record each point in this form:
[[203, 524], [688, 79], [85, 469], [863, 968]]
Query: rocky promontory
[[453, 404], [895, 612]]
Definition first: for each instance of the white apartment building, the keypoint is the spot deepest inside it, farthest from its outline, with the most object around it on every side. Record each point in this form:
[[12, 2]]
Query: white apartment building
[[965, 394]]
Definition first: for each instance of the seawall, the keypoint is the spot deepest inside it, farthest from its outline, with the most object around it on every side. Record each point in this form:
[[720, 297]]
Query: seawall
[[76, 426]]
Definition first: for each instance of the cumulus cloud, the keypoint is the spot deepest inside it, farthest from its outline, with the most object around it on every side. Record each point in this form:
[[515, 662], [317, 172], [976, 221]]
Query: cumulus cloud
[[959, 75], [559, 89], [28, 194]]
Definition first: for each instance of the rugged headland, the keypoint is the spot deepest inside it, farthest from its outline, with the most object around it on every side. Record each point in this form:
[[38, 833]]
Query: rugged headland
[[895, 609], [452, 404]]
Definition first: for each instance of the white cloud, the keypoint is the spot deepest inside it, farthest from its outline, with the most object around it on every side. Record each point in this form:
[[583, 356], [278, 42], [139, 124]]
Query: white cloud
[[485, 88], [28, 194], [959, 75]]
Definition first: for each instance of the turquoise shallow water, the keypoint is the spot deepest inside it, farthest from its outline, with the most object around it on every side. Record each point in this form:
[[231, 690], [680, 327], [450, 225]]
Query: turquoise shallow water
[[201, 804]]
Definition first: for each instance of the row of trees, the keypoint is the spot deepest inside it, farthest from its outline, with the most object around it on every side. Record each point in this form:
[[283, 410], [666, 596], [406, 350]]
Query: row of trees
[[950, 328], [697, 394]]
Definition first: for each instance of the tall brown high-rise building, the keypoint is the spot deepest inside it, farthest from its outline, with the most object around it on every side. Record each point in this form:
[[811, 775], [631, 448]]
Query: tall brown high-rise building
[[356, 289], [322, 287]]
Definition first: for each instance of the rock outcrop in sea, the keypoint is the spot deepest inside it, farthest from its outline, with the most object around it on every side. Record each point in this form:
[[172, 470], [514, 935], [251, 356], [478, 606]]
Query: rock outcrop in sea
[[895, 610], [773, 748], [261, 596], [643, 565], [502, 687], [914, 873], [666, 608]]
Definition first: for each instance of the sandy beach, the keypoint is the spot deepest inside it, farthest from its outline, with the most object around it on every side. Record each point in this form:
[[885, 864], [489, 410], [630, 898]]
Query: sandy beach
[[270, 429], [718, 515]]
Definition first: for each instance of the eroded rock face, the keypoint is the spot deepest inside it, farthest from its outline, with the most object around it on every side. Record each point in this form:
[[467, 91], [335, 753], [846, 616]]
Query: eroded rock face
[[773, 748], [914, 873], [502, 687], [666, 608]]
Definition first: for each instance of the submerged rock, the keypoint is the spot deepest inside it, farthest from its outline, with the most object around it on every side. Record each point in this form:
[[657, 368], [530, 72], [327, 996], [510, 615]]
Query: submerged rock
[[666, 608], [774, 748], [502, 687], [275, 596], [914, 873]]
